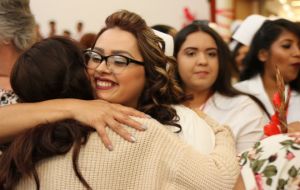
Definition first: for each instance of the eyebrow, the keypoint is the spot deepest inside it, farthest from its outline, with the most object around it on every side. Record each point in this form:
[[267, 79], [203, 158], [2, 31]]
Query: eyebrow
[[114, 52], [99, 50], [207, 49], [287, 40], [212, 49]]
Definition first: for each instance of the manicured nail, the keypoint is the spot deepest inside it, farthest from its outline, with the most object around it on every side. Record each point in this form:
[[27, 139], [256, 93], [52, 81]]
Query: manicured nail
[[110, 147], [145, 127], [133, 139]]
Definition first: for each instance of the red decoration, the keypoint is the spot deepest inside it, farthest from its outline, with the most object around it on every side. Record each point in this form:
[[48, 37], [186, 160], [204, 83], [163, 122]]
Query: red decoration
[[278, 123], [271, 129], [275, 119], [276, 100], [188, 15]]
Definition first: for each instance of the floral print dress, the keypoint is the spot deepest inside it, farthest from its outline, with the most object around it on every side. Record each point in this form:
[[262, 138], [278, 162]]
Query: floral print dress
[[7, 97], [273, 163]]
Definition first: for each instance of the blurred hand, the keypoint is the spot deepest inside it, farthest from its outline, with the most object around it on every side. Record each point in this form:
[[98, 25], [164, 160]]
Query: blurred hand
[[294, 127], [296, 136], [100, 114]]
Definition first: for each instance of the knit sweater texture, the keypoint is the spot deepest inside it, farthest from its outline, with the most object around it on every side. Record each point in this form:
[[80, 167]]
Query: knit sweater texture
[[158, 160]]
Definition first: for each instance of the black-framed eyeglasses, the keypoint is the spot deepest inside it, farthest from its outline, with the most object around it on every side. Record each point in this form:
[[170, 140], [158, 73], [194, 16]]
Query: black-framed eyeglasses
[[115, 63]]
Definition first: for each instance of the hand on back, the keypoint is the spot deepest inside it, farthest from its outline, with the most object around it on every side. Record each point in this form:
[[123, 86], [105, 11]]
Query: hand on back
[[100, 114]]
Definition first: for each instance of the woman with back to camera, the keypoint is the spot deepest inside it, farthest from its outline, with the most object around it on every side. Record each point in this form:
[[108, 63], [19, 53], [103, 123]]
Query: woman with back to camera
[[276, 42], [203, 71], [57, 173], [273, 163]]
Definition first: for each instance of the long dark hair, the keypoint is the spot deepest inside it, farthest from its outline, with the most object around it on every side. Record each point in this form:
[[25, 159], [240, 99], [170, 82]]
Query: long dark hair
[[52, 68], [263, 39], [235, 70], [222, 84], [161, 89]]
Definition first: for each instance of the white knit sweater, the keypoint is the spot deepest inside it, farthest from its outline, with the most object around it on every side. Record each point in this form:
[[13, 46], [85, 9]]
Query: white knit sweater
[[158, 160]]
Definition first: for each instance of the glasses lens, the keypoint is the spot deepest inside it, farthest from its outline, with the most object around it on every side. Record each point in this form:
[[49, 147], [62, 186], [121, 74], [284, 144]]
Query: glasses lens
[[92, 59], [117, 63]]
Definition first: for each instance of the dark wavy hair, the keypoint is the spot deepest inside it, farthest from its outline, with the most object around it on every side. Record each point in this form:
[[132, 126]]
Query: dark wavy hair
[[161, 89], [222, 84], [263, 39], [235, 70], [167, 29], [52, 68]]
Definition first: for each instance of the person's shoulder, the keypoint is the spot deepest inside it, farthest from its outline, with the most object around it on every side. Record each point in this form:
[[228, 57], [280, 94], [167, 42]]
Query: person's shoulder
[[248, 85], [239, 104], [226, 101], [182, 110], [241, 84], [188, 116]]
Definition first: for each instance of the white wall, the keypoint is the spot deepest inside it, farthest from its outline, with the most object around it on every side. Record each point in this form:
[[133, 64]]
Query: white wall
[[93, 12]]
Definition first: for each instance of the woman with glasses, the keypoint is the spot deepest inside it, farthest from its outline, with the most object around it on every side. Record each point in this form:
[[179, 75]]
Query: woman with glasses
[[130, 71], [131, 75], [110, 82]]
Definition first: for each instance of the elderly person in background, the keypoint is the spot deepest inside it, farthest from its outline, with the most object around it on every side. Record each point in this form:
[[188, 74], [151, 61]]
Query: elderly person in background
[[17, 33]]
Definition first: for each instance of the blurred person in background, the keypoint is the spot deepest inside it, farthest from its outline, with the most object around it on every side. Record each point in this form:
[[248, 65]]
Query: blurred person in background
[[79, 31], [87, 40], [165, 29], [39, 35], [52, 28], [17, 33], [276, 42], [67, 34], [239, 52]]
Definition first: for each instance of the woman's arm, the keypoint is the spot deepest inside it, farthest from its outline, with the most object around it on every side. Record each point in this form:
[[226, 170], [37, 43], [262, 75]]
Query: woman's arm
[[239, 185], [294, 127], [218, 170], [96, 113]]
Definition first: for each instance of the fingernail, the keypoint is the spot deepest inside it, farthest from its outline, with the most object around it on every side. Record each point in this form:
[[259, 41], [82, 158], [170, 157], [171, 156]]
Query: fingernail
[[133, 139], [148, 116], [110, 147], [144, 127]]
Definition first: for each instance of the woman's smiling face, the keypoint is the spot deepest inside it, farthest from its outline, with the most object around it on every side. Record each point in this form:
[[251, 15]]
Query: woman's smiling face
[[126, 87]]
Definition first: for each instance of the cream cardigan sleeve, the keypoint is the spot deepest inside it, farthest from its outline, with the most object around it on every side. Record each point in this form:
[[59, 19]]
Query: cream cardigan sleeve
[[158, 160], [218, 170]]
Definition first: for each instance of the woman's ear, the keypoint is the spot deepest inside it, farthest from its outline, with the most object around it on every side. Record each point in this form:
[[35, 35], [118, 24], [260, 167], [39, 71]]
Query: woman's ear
[[263, 55]]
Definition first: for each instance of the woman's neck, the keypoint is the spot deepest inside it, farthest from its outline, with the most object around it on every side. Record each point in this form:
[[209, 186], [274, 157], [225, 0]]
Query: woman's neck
[[8, 57], [5, 83], [199, 98]]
